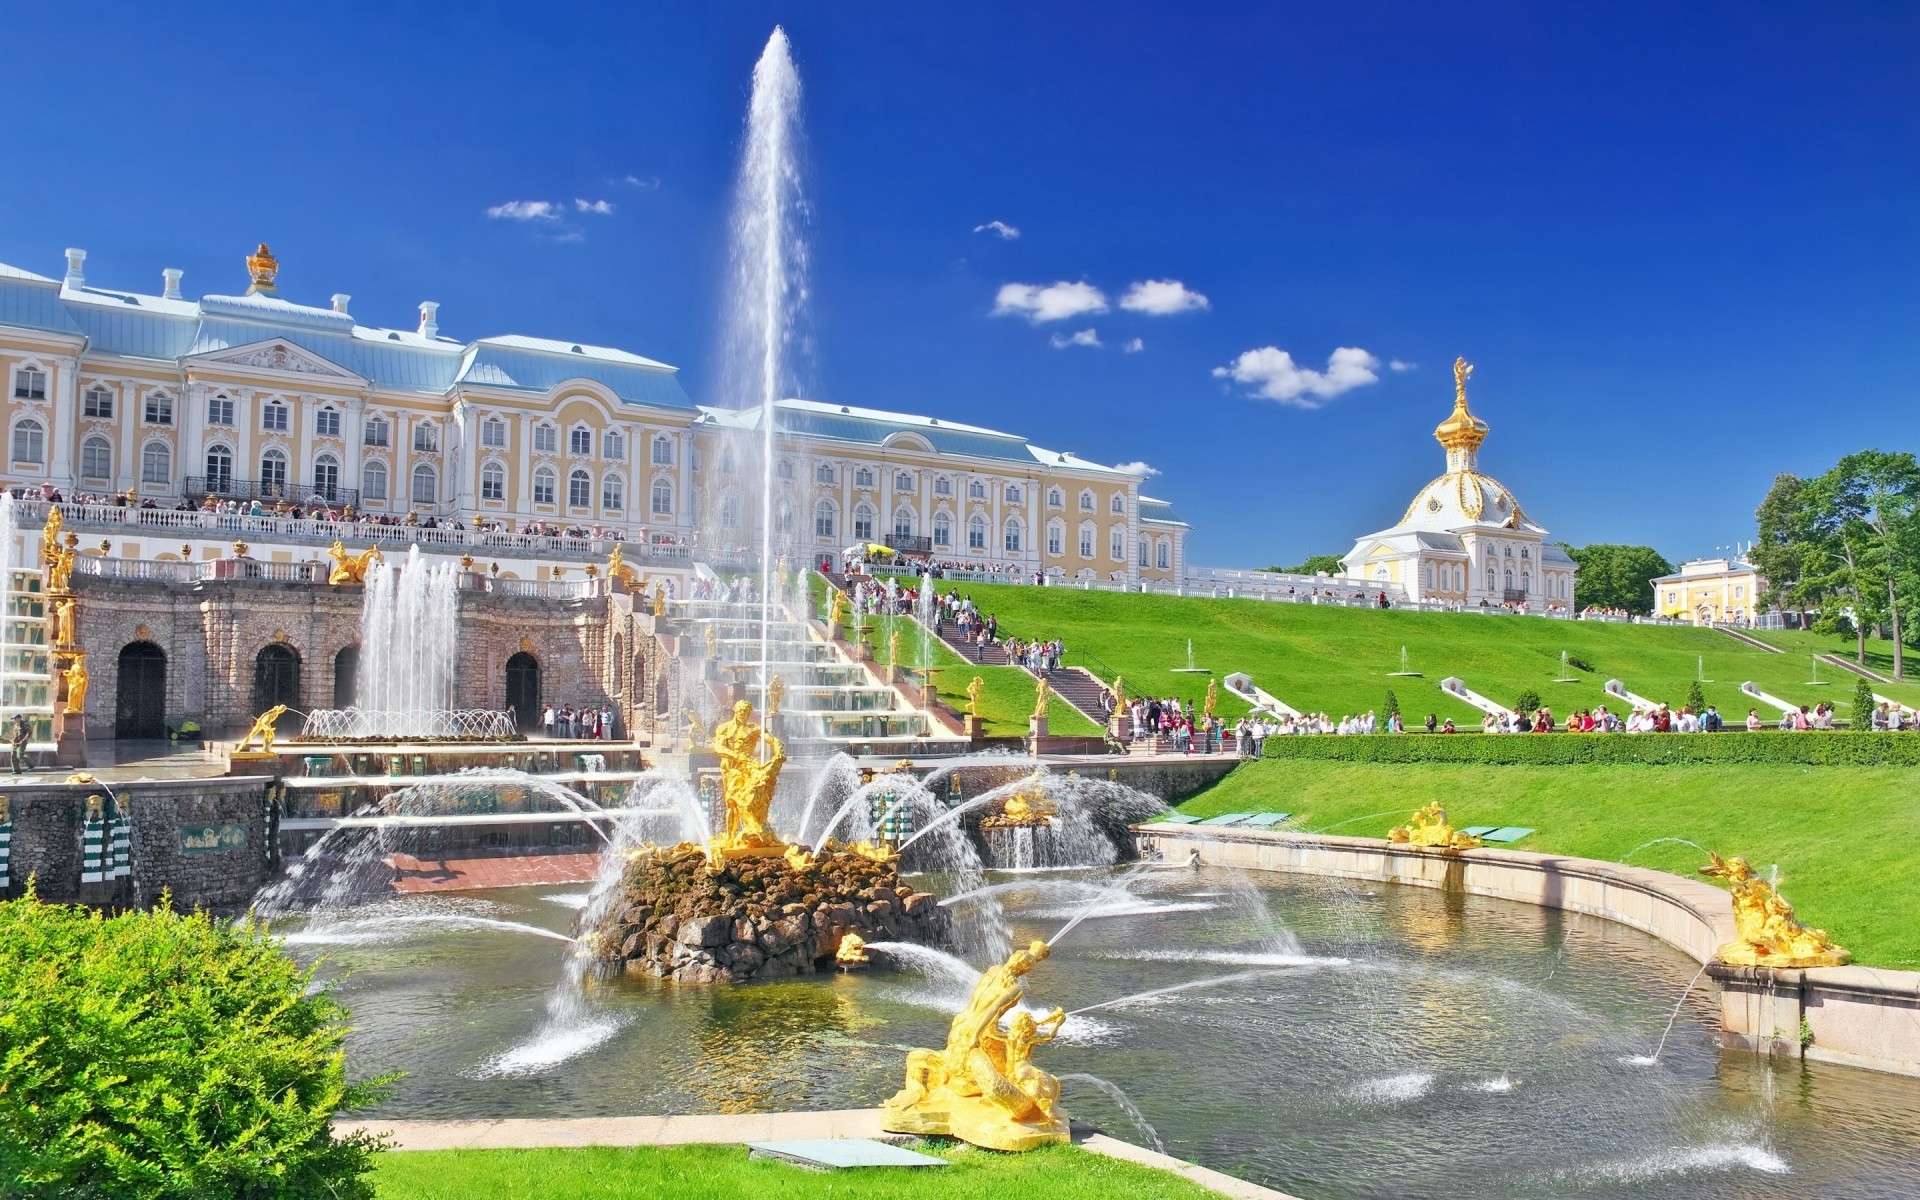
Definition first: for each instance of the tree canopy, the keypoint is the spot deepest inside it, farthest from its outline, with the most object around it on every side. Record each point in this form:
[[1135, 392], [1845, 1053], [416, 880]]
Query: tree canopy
[[1613, 576], [1330, 563]]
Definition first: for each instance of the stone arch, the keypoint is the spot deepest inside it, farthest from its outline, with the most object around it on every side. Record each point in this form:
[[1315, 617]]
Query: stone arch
[[276, 677], [140, 692], [346, 676], [523, 690]]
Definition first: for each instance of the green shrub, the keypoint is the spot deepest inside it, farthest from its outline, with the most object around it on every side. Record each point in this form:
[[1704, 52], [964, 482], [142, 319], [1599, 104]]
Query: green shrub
[[162, 1056], [1862, 715], [1527, 703], [1696, 699], [1651, 749], [1393, 703]]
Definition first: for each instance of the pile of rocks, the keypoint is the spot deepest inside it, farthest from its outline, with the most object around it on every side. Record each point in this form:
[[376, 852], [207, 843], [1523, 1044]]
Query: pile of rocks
[[758, 918]]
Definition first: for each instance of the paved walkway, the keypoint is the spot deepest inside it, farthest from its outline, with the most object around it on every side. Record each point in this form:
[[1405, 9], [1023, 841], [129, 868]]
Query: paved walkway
[[734, 1129]]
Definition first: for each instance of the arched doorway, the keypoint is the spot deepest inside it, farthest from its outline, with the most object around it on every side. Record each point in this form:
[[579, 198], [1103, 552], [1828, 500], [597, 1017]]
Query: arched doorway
[[140, 703], [346, 677], [276, 678], [523, 690]]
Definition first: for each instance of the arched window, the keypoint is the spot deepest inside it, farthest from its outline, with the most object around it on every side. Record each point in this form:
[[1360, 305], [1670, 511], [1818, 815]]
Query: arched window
[[426, 438], [377, 431], [579, 489], [1086, 500], [784, 469], [580, 441], [1144, 551], [823, 515], [1086, 539], [29, 442], [863, 523], [1012, 538], [613, 493], [1014, 494], [942, 530], [1117, 544], [1118, 506], [976, 489], [273, 472], [1056, 538], [662, 451], [730, 511], [863, 477], [96, 459], [902, 481], [1056, 498], [493, 432], [824, 473], [1490, 579], [373, 481], [943, 486], [426, 485], [613, 446], [543, 485], [156, 464], [29, 383], [98, 402], [662, 498], [326, 477], [545, 438], [1429, 575], [903, 522], [493, 481], [1526, 581], [977, 533], [1509, 580]]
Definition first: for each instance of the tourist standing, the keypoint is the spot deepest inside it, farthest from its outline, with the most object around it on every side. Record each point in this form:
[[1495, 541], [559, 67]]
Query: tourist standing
[[546, 721], [18, 739]]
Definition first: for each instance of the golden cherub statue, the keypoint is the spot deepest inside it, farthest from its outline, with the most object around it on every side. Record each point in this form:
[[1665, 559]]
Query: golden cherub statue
[[50, 535], [746, 786], [263, 729], [837, 611], [351, 568], [1461, 369], [983, 1087], [60, 565], [76, 677], [660, 599], [1766, 933], [712, 641], [776, 692], [1042, 696], [1430, 829], [973, 696], [1119, 693], [618, 570]]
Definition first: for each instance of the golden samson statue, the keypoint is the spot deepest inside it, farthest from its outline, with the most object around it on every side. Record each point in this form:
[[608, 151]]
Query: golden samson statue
[[747, 782]]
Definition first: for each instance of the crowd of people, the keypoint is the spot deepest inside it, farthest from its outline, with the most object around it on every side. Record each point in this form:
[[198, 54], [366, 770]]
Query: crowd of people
[[587, 721]]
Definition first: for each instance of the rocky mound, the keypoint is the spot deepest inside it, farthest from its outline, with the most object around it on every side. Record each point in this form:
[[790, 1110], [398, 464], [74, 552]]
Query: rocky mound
[[758, 918]]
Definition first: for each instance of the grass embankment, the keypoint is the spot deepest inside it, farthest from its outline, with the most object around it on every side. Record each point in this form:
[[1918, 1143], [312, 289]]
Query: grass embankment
[[1806, 644], [1006, 693], [1847, 839], [725, 1173], [1337, 660]]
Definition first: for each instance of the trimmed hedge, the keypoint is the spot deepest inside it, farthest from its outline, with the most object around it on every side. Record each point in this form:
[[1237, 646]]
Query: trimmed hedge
[[1822, 749]]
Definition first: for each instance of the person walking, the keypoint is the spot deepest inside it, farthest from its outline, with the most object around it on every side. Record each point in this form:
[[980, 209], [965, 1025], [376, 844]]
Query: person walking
[[18, 739], [546, 721]]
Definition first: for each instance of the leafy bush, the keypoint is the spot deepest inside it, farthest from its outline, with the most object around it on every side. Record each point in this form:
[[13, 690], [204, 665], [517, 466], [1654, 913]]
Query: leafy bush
[[1696, 699], [1527, 703], [1863, 705], [1393, 703], [1579, 664], [1651, 749], [158, 1056]]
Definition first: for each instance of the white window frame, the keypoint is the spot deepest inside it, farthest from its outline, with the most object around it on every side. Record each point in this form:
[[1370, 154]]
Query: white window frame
[[97, 402], [493, 433], [371, 470], [275, 415], [326, 421], [546, 485], [158, 409], [493, 481]]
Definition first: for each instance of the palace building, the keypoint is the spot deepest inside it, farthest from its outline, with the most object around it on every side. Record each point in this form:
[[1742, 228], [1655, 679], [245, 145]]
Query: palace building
[[1465, 538], [256, 398]]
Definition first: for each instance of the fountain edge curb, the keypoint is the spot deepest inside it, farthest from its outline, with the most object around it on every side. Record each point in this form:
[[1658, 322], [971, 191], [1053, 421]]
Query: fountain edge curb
[[738, 1128], [1856, 1016]]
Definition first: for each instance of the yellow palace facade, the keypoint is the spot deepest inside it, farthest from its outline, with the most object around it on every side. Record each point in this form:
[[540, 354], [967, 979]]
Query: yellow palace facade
[[254, 399]]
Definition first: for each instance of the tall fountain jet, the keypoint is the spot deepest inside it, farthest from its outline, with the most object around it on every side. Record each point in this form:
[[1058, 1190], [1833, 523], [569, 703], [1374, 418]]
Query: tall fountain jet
[[768, 290], [408, 645]]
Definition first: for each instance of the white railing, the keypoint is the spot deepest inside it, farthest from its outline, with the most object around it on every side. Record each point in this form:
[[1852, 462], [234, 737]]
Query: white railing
[[258, 570], [453, 725]]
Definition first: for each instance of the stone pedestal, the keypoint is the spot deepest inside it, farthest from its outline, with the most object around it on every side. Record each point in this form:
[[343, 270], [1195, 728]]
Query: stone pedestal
[[1036, 727], [1761, 1008], [70, 739], [253, 762], [976, 728]]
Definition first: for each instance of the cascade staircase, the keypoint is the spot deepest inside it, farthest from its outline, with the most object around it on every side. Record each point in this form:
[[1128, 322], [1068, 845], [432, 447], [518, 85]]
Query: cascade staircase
[[1748, 640]]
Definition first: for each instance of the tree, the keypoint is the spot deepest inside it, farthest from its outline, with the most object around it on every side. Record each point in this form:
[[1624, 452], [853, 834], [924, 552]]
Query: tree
[[1393, 703], [1527, 703], [1696, 698], [1862, 716], [1614, 576], [1315, 564]]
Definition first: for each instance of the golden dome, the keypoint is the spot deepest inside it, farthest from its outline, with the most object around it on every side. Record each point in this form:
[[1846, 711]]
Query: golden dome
[[1461, 430]]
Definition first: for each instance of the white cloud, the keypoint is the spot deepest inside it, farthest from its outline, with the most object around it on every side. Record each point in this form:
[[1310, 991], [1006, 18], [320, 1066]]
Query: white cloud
[[650, 183], [1397, 365], [1137, 468], [999, 229], [1163, 297], [1272, 374], [1054, 302], [1132, 346], [1086, 337], [602, 208], [525, 210]]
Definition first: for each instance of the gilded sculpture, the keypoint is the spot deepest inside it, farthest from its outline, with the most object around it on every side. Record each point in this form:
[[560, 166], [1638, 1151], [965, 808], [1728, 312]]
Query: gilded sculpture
[[973, 696], [263, 729], [76, 677], [852, 948], [351, 568], [893, 648], [60, 564], [262, 269], [1042, 696], [1213, 697], [1766, 933], [837, 612], [1119, 693], [747, 782], [1027, 808], [65, 613], [50, 536], [712, 641], [659, 600], [1461, 369], [618, 570], [776, 692], [696, 728], [983, 1087], [1429, 829]]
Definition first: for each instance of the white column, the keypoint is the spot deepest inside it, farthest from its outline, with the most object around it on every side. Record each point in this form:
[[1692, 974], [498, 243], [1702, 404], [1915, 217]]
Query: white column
[[300, 470], [63, 418], [190, 415], [128, 472], [353, 421], [458, 456]]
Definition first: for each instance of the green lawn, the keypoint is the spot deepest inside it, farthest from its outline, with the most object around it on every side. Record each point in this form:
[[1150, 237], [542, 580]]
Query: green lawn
[[1846, 839], [725, 1173], [1006, 693], [1337, 659], [1806, 644]]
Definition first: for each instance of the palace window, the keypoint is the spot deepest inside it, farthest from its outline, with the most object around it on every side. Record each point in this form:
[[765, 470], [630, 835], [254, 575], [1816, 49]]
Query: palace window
[[662, 498], [378, 432], [1117, 545], [426, 439], [326, 422], [29, 442], [1525, 552], [98, 402], [783, 517], [1086, 541], [863, 524], [1014, 494], [613, 446], [426, 485], [902, 482], [783, 469], [1164, 555], [823, 515], [219, 410], [943, 486], [730, 511], [823, 473], [903, 523], [726, 460], [1012, 538], [493, 482], [1086, 501], [977, 533], [580, 441], [156, 464], [219, 469], [96, 459], [942, 530], [976, 489], [1118, 506], [545, 438], [1145, 550], [1056, 539], [1491, 581], [273, 417], [863, 477], [579, 489], [613, 493], [1526, 582], [373, 481], [663, 451], [29, 383], [326, 477], [543, 485], [159, 408], [1056, 498], [273, 472], [493, 432]]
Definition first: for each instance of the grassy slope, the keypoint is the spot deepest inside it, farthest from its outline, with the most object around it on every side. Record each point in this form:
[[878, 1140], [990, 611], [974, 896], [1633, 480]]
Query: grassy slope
[[1847, 839], [1805, 645], [1337, 659], [725, 1173]]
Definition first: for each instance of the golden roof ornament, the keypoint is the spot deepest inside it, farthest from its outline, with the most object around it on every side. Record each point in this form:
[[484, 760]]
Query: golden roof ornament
[[1461, 430], [263, 268]]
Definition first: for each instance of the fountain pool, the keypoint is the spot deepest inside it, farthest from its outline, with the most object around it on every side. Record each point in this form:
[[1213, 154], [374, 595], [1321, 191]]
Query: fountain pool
[[1327, 1040]]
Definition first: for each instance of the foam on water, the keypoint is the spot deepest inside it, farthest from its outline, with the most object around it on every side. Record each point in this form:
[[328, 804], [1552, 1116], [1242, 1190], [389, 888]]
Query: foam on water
[[1124, 908], [1235, 958], [1686, 1160], [569, 899], [553, 1045], [368, 931], [1393, 1089], [1499, 1083]]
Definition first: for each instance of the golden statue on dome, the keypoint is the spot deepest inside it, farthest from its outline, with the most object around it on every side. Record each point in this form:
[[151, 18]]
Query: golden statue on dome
[[263, 269], [1461, 370], [1461, 430]]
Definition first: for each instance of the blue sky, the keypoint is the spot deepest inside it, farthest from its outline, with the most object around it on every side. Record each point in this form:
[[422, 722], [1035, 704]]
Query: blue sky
[[1679, 242]]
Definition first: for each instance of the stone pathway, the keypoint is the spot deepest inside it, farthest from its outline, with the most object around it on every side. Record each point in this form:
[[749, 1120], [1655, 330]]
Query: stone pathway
[[734, 1129]]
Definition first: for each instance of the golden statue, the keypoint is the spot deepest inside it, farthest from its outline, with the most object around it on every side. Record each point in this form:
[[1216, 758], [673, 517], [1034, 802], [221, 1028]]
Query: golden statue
[[1213, 697], [76, 677], [659, 599], [60, 565], [263, 729], [1042, 696], [776, 692], [1766, 933], [837, 612], [983, 1087], [617, 569], [96, 807], [711, 639], [1430, 829], [50, 536], [1119, 693], [1461, 369], [65, 613], [1027, 808], [973, 696], [852, 949], [262, 269], [893, 648], [6, 811], [351, 568], [696, 728], [746, 786]]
